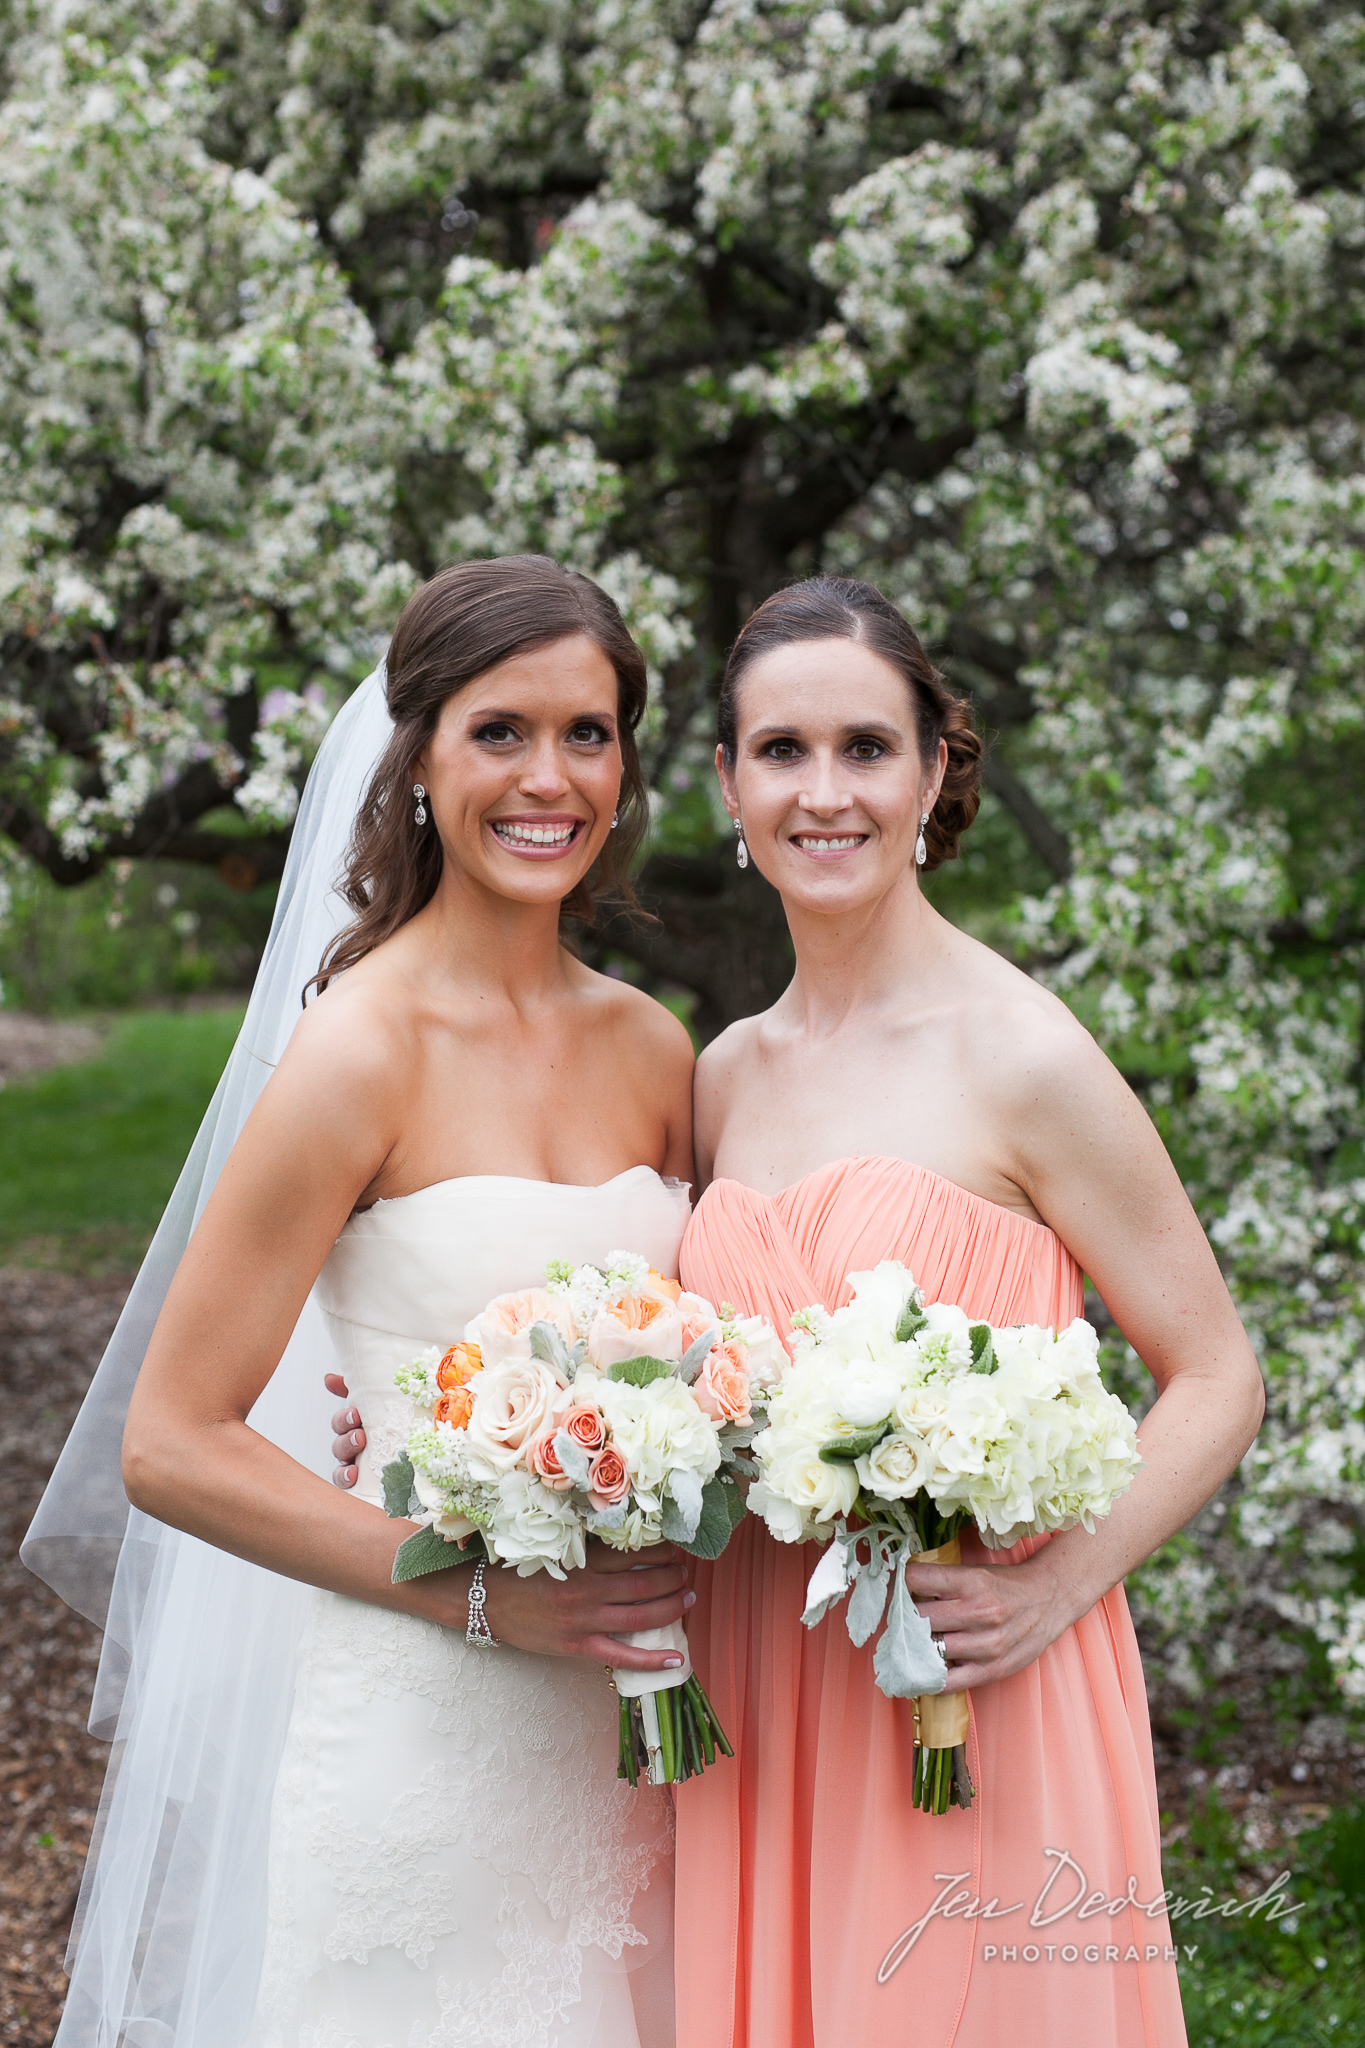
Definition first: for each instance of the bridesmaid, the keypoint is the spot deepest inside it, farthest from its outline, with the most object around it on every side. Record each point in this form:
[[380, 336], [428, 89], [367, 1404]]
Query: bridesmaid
[[913, 1096]]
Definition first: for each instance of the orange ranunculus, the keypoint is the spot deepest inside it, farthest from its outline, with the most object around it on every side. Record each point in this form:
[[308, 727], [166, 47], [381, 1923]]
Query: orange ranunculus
[[456, 1407], [460, 1363]]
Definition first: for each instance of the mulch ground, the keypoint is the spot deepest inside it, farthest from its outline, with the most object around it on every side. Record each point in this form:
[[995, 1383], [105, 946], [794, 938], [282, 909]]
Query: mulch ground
[[53, 1329]]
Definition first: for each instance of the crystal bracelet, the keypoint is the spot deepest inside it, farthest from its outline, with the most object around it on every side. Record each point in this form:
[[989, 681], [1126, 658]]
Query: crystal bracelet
[[478, 1632]]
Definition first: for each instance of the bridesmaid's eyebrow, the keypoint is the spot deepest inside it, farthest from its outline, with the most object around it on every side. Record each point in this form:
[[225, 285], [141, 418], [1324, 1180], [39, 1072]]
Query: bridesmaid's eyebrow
[[871, 728]]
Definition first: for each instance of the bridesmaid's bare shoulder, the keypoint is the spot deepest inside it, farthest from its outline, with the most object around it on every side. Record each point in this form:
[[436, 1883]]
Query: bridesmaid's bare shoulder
[[1037, 1074]]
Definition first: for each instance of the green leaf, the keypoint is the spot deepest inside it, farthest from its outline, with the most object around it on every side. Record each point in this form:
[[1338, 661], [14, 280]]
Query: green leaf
[[425, 1552], [398, 1478], [845, 1449], [912, 1319], [549, 1347], [722, 1511], [983, 1349], [639, 1372]]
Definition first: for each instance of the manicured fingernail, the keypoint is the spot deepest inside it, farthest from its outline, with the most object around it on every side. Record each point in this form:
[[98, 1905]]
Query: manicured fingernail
[[353, 1420], [689, 1600], [355, 1440], [672, 1663]]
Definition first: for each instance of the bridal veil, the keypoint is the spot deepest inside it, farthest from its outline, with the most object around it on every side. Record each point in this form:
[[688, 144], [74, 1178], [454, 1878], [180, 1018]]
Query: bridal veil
[[195, 1682]]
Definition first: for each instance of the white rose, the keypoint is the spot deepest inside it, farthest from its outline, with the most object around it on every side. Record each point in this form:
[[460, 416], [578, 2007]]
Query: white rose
[[881, 1295], [535, 1529], [515, 1402], [784, 1521], [765, 1355], [817, 1490], [897, 1467]]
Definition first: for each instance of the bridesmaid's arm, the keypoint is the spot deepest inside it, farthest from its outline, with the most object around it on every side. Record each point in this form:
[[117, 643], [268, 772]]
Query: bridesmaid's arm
[[1088, 1158]]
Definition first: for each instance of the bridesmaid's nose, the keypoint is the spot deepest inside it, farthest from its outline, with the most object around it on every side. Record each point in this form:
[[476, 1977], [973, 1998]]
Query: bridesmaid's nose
[[825, 793], [543, 775]]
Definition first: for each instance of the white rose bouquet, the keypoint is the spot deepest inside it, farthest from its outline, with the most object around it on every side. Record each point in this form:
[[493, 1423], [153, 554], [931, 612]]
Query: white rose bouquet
[[606, 1403], [898, 1422]]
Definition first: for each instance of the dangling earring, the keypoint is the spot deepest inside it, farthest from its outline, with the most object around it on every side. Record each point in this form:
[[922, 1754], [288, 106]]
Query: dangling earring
[[741, 850], [419, 816], [615, 820], [921, 850]]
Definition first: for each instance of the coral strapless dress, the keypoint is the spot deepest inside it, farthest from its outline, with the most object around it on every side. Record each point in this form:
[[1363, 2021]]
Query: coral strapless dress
[[803, 1867]]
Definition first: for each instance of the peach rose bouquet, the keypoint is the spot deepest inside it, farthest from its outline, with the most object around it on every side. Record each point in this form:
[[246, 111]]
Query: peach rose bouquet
[[607, 1402]]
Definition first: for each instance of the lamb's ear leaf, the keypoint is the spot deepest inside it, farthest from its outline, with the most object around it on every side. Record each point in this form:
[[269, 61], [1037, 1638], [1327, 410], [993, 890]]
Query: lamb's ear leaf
[[722, 1511], [682, 1508], [398, 1478], [638, 1372], [983, 1348], [425, 1552], [845, 1449], [696, 1355], [549, 1347], [573, 1459], [912, 1319]]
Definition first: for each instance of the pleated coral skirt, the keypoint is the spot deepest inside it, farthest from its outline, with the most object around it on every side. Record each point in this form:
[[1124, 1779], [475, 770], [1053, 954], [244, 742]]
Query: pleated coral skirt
[[816, 1906]]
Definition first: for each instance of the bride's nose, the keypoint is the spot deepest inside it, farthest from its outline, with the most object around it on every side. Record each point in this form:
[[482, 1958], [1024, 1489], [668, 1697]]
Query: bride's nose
[[543, 775]]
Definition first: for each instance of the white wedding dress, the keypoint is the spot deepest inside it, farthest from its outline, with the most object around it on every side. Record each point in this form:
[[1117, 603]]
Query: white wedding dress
[[453, 1860]]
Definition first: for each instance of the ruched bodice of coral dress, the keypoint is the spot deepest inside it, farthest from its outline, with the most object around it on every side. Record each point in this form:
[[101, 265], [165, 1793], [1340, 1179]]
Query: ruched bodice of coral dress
[[453, 1860], [804, 1867]]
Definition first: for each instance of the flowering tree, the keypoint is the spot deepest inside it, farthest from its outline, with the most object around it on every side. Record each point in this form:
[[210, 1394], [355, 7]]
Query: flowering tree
[[1045, 315]]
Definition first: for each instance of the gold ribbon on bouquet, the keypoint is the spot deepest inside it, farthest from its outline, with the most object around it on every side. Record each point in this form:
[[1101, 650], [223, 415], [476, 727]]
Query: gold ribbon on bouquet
[[941, 1718]]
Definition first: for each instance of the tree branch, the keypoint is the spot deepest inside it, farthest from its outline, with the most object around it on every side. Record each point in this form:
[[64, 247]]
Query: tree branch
[[1048, 843]]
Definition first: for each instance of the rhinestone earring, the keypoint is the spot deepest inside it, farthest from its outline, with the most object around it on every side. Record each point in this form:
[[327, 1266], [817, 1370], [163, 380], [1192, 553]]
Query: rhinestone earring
[[419, 816], [741, 850], [615, 820], [921, 850]]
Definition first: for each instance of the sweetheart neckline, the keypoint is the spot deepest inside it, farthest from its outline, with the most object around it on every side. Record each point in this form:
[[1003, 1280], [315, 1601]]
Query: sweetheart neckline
[[519, 1180], [881, 1159]]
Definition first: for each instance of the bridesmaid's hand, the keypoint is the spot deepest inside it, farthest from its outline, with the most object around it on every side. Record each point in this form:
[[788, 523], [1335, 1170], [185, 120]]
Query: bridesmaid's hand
[[993, 1619], [348, 1435], [580, 1614]]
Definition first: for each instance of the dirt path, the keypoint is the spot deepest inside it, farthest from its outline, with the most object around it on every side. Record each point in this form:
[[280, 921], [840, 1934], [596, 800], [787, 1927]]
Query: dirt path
[[53, 1329]]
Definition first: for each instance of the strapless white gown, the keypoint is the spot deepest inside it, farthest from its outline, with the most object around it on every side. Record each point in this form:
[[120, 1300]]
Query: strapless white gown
[[453, 1860]]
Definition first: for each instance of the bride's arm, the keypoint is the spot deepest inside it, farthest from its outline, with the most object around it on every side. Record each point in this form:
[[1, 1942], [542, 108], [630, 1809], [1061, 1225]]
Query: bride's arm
[[1093, 1166], [312, 1146]]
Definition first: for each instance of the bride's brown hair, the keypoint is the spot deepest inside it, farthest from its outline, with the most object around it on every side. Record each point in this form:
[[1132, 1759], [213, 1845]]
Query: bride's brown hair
[[840, 608], [463, 622]]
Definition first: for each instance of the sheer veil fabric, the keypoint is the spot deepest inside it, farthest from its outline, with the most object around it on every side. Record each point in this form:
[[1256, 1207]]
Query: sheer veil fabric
[[195, 1682]]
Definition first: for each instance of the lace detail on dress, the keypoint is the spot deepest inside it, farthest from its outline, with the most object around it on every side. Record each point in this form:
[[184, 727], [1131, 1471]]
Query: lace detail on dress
[[498, 1787]]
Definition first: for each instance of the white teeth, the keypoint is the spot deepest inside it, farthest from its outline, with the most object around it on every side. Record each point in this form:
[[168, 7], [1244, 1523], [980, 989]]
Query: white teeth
[[814, 845], [534, 835]]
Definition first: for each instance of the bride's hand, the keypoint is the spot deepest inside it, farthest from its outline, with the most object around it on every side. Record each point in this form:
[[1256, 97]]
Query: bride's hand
[[581, 1614], [577, 1616], [992, 1619], [348, 1434]]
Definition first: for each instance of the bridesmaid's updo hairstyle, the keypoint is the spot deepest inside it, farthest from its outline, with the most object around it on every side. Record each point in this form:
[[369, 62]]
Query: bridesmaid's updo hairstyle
[[840, 608], [462, 623]]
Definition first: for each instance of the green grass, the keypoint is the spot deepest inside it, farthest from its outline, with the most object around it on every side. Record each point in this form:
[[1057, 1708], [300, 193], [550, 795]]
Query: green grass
[[1296, 1982], [90, 1153]]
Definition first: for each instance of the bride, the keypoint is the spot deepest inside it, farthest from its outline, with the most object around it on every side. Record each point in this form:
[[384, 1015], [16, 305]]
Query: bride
[[451, 1858]]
